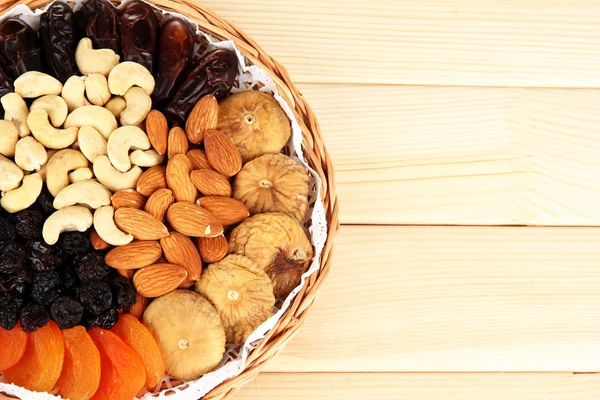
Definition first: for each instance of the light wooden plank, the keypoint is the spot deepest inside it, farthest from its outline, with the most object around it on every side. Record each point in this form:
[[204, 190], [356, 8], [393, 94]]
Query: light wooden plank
[[432, 42], [462, 155], [558, 386], [474, 299]]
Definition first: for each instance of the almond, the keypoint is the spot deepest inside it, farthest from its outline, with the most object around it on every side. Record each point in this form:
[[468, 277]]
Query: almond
[[137, 254], [226, 210], [128, 198], [204, 116], [213, 249], [153, 179], [198, 159], [97, 242], [222, 154], [159, 203], [211, 183], [188, 283], [141, 303], [158, 279], [157, 130], [178, 142], [178, 178], [140, 224], [179, 249], [126, 273], [193, 220]]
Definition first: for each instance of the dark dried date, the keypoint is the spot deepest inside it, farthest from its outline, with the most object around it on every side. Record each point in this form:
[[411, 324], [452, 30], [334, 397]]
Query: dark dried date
[[215, 75], [99, 20], [20, 48], [6, 86], [57, 31], [139, 31]]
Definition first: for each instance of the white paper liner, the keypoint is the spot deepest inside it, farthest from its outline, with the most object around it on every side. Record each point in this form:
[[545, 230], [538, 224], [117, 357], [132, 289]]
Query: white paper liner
[[251, 77]]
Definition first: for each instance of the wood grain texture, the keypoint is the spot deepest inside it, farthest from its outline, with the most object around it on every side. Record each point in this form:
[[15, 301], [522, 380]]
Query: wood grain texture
[[462, 155], [480, 299], [526, 43], [557, 386]]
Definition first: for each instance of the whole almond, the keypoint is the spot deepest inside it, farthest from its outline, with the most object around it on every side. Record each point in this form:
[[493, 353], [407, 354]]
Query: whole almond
[[198, 159], [222, 154], [178, 178], [126, 273], [179, 249], [140, 224], [211, 183], [141, 303], [97, 242], [204, 116], [137, 254], [128, 198], [157, 130], [158, 279], [226, 210], [193, 220], [178, 142], [159, 203], [213, 249], [153, 179], [186, 284]]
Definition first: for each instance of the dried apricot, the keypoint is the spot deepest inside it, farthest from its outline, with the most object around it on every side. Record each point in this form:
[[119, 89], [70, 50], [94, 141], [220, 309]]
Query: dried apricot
[[40, 366], [80, 375], [123, 374], [139, 338], [13, 346]]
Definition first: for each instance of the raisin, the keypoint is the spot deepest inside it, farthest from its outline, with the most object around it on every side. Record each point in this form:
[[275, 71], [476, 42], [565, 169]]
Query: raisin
[[96, 297], [66, 312], [46, 287], [29, 224], [123, 292], [106, 320], [15, 284], [33, 317], [45, 201], [91, 267], [40, 256], [12, 257], [74, 242], [10, 307], [7, 230], [69, 276]]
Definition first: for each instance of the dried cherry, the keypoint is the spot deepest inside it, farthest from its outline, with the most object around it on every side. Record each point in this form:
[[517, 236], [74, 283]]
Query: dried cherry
[[29, 223], [10, 307], [96, 297], [12, 257], [41, 256], [74, 243], [106, 320], [66, 312], [91, 267], [123, 292], [34, 317], [46, 287]]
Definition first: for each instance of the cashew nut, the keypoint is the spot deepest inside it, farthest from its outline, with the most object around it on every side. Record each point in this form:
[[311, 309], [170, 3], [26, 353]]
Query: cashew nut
[[8, 138], [10, 174], [148, 158], [128, 74], [80, 174], [121, 141], [15, 109], [91, 143], [55, 106], [104, 223], [113, 179], [50, 153], [98, 117], [96, 89], [74, 93], [68, 219], [116, 105], [23, 197], [90, 61], [87, 192], [60, 164], [46, 134], [30, 155], [34, 84], [139, 105]]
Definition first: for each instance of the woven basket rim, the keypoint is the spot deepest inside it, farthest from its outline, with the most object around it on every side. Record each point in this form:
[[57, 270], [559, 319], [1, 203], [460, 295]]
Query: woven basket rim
[[315, 153]]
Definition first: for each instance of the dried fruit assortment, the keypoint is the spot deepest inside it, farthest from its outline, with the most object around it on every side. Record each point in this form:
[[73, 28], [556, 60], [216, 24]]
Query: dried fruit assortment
[[148, 217]]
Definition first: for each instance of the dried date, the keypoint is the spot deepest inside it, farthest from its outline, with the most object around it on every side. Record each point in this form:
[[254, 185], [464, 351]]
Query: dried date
[[20, 48], [6, 86], [100, 22], [57, 31], [139, 31]]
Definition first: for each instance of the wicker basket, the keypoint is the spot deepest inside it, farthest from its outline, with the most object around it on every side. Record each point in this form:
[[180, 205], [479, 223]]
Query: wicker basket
[[315, 153]]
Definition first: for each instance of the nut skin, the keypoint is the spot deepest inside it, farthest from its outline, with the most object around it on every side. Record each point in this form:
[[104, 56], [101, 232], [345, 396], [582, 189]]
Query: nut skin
[[222, 154], [199, 159], [226, 210], [180, 250], [159, 203], [211, 183], [177, 142], [157, 130], [212, 249], [152, 179], [106, 228], [204, 116], [128, 198], [97, 242], [193, 220], [135, 255], [140, 224], [178, 178], [158, 279]]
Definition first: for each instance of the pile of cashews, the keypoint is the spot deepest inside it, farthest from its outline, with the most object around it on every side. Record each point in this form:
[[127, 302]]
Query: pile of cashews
[[77, 138]]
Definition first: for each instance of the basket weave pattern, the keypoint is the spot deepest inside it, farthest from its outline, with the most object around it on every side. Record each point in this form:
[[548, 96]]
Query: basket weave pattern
[[315, 153]]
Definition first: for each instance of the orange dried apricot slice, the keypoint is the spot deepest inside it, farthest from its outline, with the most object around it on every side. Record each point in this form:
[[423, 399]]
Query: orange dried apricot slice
[[139, 338], [80, 375], [40, 366], [13, 346], [123, 374]]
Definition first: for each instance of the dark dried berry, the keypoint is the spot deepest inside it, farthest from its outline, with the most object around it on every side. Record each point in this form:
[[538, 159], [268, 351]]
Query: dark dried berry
[[74, 242], [40, 256], [7, 230], [14, 284], [91, 267], [69, 276], [46, 287], [45, 201], [10, 307], [33, 317], [29, 224], [66, 312], [12, 257], [106, 320], [123, 292], [96, 297]]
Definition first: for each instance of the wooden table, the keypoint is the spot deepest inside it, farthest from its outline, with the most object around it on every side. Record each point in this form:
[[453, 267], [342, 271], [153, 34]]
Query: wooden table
[[466, 139]]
